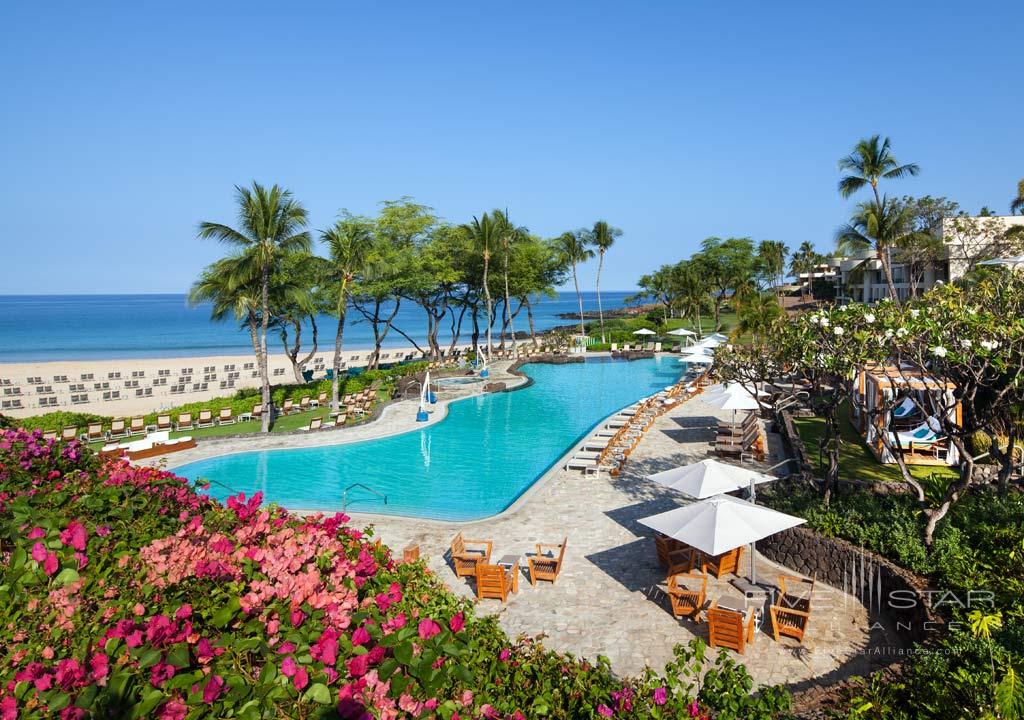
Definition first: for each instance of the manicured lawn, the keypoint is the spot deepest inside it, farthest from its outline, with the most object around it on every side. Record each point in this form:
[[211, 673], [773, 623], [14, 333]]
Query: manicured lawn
[[856, 461]]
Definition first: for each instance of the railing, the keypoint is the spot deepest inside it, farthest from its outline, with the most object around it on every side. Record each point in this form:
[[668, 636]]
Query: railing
[[353, 486]]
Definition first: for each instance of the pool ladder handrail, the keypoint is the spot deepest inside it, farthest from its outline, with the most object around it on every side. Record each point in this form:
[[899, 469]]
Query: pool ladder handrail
[[364, 486]]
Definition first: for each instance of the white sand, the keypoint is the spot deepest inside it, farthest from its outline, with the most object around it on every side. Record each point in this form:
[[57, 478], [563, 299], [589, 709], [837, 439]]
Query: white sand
[[60, 391]]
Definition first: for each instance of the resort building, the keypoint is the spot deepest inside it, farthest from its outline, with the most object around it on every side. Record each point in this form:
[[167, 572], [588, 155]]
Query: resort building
[[966, 241]]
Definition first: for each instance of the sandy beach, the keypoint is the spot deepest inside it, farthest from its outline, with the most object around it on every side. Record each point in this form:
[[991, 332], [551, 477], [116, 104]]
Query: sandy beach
[[125, 387]]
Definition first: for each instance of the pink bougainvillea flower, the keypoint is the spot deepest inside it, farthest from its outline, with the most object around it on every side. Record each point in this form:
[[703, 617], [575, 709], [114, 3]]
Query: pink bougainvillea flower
[[99, 665], [214, 687], [505, 654], [133, 639], [300, 679], [36, 533], [660, 696], [39, 552], [358, 665], [428, 629], [288, 667], [183, 613], [604, 710], [694, 709], [360, 636], [69, 675], [72, 712], [298, 617], [488, 712], [50, 564], [8, 708], [466, 698], [173, 709], [160, 673], [82, 559], [457, 622], [74, 535], [103, 531]]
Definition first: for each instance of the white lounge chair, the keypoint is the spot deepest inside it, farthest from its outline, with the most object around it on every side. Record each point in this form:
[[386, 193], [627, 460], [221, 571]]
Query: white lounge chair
[[905, 409], [924, 435]]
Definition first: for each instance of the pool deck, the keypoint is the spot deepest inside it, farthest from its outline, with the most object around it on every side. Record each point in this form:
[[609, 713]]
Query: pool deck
[[609, 598]]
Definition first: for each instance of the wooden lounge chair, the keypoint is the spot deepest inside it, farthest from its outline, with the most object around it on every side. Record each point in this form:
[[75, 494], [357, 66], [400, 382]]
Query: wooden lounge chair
[[340, 420], [304, 403], [727, 562], [495, 581], [226, 417], [118, 429], [288, 406], [321, 400], [205, 419], [257, 412], [93, 431], [163, 422], [138, 426], [50, 435], [465, 559], [792, 609], [184, 422], [730, 628], [314, 424], [546, 566], [685, 601], [69, 433]]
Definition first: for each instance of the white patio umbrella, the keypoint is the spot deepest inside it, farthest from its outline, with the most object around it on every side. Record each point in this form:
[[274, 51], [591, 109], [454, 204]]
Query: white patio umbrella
[[732, 401], [644, 331], [1011, 261], [697, 357], [730, 388], [681, 332], [720, 524], [707, 478]]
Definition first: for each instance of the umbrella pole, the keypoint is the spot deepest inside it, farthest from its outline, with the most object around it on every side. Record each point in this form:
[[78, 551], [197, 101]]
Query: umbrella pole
[[753, 545]]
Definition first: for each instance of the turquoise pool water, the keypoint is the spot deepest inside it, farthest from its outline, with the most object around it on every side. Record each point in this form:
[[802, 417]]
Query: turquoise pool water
[[473, 464]]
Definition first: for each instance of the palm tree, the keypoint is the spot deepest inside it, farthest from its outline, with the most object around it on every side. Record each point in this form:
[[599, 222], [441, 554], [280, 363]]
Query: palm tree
[[805, 261], [870, 162], [484, 232], [349, 246], [694, 292], [232, 292], [510, 236], [758, 315], [602, 237], [271, 225], [573, 249], [879, 227], [1017, 204], [772, 256]]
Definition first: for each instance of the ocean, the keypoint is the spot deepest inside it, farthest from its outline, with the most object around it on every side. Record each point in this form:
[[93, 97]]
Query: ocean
[[37, 328]]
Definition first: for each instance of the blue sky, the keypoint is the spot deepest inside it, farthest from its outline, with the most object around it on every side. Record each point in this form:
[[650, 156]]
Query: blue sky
[[123, 126]]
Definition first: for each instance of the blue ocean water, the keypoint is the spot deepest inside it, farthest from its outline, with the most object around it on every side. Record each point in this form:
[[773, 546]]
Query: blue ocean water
[[473, 464], [83, 327]]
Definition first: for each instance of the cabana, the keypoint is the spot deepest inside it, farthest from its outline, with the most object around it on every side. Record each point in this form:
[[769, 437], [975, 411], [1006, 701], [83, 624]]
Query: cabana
[[910, 424]]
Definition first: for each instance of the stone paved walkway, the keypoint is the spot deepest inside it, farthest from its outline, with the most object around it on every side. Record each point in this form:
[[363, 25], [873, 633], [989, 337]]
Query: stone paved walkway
[[609, 598]]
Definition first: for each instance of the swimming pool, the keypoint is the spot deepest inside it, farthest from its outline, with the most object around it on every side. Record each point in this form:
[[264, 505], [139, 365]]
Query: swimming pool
[[475, 463]]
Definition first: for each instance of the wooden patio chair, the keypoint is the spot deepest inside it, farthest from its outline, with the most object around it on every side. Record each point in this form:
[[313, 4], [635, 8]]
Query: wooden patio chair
[[724, 564], [495, 581], [138, 426], [226, 417], [205, 419], [314, 424], [50, 435], [730, 628], [94, 431], [305, 402], [670, 552], [685, 601], [546, 567], [184, 422], [163, 422], [791, 611], [465, 558]]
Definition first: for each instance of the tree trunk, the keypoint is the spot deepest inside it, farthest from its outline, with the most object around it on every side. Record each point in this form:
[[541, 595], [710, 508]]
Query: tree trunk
[[883, 257], [579, 298], [719, 299], [508, 308], [264, 370], [529, 317], [487, 295], [953, 493], [456, 328], [597, 285], [342, 311]]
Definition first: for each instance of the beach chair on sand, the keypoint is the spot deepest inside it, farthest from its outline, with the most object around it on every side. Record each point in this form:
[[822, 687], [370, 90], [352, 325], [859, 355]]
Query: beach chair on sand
[[792, 609], [69, 433], [118, 429], [163, 422], [93, 431], [138, 426], [226, 417], [466, 558], [546, 565], [687, 601], [205, 419], [314, 424], [496, 581], [730, 628], [184, 422]]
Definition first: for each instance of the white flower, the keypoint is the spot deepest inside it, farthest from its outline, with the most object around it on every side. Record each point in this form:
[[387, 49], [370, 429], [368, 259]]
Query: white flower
[[838, 330], [914, 313], [939, 351], [902, 332], [888, 333], [824, 321], [869, 317], [814, 319], [966, 343], [989, 344]]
